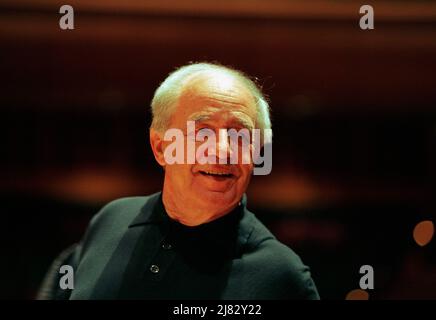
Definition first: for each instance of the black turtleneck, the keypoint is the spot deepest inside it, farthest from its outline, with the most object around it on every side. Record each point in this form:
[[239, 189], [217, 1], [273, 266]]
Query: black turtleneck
[[134, 250], [174, 261]]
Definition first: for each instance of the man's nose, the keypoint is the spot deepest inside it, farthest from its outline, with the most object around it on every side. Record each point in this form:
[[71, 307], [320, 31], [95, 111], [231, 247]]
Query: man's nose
[[223, 150]]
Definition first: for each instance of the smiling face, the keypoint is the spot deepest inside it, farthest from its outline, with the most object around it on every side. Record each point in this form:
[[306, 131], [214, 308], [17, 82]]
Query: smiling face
[[197, 193]]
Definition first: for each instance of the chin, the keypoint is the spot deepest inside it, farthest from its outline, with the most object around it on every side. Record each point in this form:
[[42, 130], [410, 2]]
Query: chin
[[218, 199]]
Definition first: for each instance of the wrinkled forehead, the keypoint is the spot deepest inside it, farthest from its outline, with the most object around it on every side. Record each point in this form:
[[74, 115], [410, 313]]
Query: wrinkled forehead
[[230, 118], [211, 93]]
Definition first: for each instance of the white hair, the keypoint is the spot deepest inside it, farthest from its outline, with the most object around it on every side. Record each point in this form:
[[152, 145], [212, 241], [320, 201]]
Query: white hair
[[166, 95]]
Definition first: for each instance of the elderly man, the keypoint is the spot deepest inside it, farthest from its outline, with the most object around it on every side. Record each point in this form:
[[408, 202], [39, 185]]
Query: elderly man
[[196, 239]]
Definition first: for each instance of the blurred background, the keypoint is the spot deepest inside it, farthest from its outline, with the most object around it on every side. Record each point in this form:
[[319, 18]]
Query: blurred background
[[354, 119]]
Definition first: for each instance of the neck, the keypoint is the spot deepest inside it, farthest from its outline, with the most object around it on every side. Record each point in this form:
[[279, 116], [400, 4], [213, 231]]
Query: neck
[[190, 213]]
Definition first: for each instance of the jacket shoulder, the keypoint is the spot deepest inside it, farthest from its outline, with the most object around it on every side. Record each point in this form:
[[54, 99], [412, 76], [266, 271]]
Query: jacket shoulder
[[110, 223], [123, 208], [295, 275], [278, 268]]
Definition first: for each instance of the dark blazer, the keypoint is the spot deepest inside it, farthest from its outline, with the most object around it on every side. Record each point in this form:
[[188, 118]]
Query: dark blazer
[[260, 268]]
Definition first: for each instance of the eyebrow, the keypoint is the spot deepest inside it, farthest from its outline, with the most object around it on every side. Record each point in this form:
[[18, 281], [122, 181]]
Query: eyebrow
[[241, 119], [200, 116]]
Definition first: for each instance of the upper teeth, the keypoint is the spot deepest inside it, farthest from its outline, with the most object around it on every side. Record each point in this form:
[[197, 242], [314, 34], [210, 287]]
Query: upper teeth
[[218, 173]]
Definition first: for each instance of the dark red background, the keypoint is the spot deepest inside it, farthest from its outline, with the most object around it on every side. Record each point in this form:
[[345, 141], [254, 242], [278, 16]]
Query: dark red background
[[354, 119]]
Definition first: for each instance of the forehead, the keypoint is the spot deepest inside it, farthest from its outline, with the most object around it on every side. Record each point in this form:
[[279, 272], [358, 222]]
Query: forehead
[[215, 95]]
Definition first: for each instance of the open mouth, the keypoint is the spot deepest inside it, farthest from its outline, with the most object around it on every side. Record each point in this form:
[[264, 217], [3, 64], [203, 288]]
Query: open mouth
[[216, 174]]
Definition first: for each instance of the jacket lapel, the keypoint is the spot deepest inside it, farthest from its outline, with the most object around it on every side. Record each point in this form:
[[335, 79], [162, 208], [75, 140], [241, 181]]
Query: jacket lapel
[[109, 283]]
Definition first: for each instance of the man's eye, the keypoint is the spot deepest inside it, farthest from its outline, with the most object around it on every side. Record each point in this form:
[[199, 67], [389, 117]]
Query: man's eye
[[246, 138], [204, 133], [190, 135]]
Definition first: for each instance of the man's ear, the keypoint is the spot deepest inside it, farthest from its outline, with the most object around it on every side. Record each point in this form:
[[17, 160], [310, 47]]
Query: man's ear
[[156, 143]]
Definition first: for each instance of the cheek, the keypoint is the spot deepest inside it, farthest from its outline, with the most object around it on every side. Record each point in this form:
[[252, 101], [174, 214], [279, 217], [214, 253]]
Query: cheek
[[180, 174], [246, 171]]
